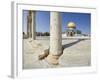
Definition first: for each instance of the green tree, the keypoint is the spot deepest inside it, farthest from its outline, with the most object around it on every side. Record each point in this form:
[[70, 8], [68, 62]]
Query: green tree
[[79, 32]]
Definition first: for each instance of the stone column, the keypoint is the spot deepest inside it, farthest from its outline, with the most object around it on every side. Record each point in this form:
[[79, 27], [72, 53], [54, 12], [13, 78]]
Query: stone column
[[55, 38], [28, 26], [33, 25], [29, 23]]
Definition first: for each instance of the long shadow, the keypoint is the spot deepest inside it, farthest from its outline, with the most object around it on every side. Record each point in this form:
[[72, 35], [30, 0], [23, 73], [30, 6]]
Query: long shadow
[[73, 43]]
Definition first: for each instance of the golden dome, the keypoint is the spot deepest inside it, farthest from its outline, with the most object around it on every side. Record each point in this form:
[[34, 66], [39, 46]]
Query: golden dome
[[71, 25]]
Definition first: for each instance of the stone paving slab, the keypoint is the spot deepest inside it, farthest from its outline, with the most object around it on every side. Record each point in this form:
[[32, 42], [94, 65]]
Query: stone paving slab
[[76, 53]]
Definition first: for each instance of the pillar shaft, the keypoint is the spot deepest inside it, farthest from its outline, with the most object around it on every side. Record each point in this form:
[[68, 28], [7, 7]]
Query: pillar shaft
[[55, 33], [30, 23], [28, 26], [55, 38], [33, 26], [29, 30]]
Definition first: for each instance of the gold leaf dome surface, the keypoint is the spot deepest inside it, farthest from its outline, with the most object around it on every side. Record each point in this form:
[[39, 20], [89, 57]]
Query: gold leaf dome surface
[[71, 25]]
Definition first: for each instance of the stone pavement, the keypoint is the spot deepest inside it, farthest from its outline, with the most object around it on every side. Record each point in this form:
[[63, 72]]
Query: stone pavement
[[76, 53]]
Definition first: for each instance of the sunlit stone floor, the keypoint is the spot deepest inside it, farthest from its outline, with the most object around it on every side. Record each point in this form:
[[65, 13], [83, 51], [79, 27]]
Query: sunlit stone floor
[[77, 53]]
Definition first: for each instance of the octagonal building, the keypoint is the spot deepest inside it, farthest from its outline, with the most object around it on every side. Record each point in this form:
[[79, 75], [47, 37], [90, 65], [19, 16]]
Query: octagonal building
[[71, 31]]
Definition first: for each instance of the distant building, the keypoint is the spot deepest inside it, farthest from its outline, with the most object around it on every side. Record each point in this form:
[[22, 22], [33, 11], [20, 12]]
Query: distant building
[[72, 30]]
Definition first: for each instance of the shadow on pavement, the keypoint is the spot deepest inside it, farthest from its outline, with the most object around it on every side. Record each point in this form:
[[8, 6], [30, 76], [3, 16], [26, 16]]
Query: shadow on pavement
[[73, 43]]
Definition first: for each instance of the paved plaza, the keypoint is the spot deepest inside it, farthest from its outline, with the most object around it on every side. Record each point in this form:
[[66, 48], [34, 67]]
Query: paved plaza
[[76, 53]]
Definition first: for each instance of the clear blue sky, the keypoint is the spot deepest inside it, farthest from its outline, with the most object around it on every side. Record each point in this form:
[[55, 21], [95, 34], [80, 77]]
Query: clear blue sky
[[82, 20]]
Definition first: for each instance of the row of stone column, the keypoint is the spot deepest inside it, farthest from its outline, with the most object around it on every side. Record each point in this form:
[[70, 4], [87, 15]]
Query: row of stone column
[[55, 35]]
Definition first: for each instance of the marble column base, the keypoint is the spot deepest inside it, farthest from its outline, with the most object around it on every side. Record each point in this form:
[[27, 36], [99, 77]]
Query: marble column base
[[52, 59]]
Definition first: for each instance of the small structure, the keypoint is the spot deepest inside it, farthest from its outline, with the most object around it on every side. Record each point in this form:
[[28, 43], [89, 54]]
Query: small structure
[[71, 31]]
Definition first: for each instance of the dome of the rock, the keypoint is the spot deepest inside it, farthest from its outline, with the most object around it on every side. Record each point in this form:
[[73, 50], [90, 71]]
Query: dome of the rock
[[71, 25]]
